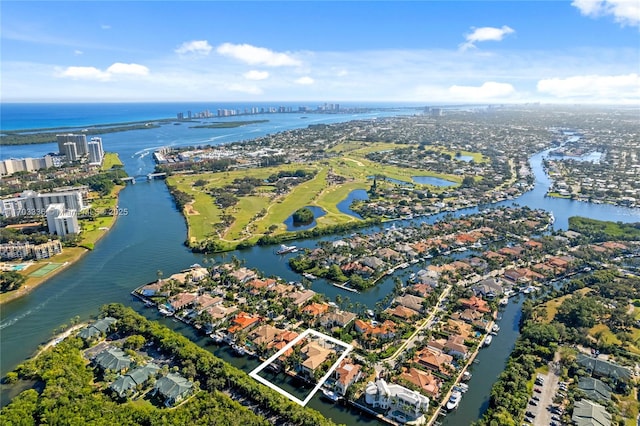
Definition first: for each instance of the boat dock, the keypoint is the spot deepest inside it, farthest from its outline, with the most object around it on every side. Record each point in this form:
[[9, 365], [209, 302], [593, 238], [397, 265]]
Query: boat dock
[[344, 287]]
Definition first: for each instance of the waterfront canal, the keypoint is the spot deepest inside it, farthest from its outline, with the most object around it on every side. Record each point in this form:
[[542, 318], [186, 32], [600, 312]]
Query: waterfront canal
[[150, 238]]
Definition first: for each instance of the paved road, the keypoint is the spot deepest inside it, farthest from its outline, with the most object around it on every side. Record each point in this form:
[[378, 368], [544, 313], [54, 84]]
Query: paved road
[[410, 342]]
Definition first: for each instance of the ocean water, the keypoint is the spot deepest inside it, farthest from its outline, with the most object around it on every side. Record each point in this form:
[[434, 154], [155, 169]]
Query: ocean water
[[20, 116], [133, 146]]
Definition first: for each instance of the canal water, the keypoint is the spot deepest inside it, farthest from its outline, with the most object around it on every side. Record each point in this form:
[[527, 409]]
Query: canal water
[[150, 238]]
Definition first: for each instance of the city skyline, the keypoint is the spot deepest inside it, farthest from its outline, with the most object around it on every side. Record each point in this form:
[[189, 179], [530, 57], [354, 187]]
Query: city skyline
[[585, 51]]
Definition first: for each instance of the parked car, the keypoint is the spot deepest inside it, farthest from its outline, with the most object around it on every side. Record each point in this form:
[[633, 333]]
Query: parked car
[[532, 402]]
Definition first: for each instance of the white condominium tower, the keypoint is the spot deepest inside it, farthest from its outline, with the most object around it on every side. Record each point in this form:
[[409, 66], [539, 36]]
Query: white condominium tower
[[96, 153]]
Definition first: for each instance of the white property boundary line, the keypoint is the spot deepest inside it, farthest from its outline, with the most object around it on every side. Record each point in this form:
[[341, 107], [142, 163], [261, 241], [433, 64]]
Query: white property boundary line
[[255, 375]]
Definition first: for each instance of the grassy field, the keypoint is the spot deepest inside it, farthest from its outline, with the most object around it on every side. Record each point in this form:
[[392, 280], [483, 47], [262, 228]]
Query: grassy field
[[110, 159], [254, 215], [551, 307]]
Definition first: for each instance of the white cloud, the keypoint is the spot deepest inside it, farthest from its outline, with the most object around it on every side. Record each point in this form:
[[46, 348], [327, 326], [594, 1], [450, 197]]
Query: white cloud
[[610, 87], [256, 75], [252, 90], [196, 47], [625, 12], [485, 34], [105, 27], [305, 81], [489, 90], [128, 69], [85, 73], [78, 52], [253, 55], [93, 73]]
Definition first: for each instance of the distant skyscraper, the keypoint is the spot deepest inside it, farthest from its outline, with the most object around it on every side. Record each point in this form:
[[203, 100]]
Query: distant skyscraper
[[96, 153], [80, 141]]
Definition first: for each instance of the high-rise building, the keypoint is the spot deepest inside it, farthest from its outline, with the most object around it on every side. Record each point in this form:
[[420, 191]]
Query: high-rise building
[[80, 141], [96, 153], [62, 221], [70, 151], [31, 203]]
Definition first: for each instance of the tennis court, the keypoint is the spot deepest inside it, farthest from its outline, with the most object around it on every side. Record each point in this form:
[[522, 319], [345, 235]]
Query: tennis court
[[45, 270]]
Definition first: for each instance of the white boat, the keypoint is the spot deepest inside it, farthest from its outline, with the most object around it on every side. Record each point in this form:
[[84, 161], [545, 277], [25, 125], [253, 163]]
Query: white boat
[[330, 395], [238, 349], [164, 312], [487, 340], [287, 249], [216, 337], [454, 400], [309, 276], [404, 265], [504, 301], [495, 328], [370, 313], [466, 376]]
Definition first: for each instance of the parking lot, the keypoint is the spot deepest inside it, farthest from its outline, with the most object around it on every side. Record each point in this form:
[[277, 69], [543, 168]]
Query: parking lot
[[544, 390]]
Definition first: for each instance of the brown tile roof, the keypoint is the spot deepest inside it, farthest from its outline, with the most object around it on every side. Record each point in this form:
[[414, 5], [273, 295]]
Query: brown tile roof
[[424, 380]]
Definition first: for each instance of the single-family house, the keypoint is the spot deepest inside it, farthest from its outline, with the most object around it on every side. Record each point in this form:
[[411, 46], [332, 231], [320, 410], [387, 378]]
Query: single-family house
[[313, 356], [337, 319], [404, 405], [402, 312], [434, 359], [299, 298], [346, 374], [424, 380], [182, 301], [410, 301], [242, 322], [488, 288]]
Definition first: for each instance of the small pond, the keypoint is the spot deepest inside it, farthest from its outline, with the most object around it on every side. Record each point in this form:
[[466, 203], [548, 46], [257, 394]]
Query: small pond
[[345, 205], [317, 212], [434, 181]]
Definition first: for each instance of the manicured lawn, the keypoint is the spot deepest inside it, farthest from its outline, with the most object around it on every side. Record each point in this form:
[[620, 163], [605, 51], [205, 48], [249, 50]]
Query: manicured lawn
[[110, 159], [250, 225]]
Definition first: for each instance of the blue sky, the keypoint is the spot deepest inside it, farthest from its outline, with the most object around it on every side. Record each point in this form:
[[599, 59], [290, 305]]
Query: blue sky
[[581, 51]]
